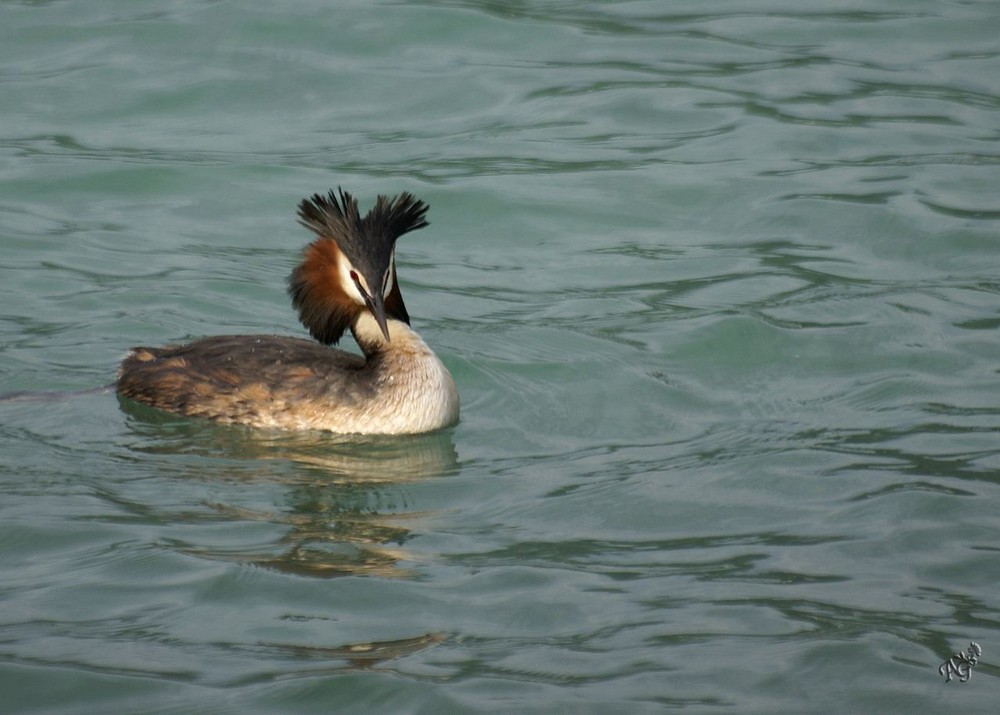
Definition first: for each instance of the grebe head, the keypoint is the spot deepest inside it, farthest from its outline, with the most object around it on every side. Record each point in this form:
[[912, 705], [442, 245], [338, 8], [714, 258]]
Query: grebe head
[[351, 266]]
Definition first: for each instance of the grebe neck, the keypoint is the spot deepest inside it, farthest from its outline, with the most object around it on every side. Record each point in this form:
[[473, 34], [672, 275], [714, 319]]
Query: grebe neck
[[402, 338], [416, 393]]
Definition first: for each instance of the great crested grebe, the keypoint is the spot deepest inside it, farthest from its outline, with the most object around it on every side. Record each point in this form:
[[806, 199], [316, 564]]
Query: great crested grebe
[[347, 279]]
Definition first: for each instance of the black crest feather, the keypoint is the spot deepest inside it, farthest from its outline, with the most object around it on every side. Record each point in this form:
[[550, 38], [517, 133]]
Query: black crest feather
[[337, 218]]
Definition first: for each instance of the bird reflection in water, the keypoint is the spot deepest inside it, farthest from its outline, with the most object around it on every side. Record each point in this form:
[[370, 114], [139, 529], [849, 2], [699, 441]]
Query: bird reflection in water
[[344, 502], [363, 655]]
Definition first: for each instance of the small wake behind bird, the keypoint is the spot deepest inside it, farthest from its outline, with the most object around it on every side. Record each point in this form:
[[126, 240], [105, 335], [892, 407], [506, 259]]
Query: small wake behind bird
[[56, 396]]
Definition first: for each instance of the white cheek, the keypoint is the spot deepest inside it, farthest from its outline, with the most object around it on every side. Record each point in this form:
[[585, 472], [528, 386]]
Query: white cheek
[[344, 269], [388, 284], [388, 277]]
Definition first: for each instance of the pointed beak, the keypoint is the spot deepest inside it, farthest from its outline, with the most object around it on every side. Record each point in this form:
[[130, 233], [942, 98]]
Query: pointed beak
[[376, 304]]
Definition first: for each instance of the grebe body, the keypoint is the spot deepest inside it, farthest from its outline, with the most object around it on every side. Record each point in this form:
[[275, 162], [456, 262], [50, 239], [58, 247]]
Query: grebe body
[[346, 280]]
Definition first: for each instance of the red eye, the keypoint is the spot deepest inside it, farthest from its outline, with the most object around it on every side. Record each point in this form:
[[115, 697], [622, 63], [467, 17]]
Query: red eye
[[354, 277]]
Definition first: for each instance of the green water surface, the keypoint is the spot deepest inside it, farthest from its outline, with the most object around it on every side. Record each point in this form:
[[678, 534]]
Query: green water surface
[[720, 287]]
